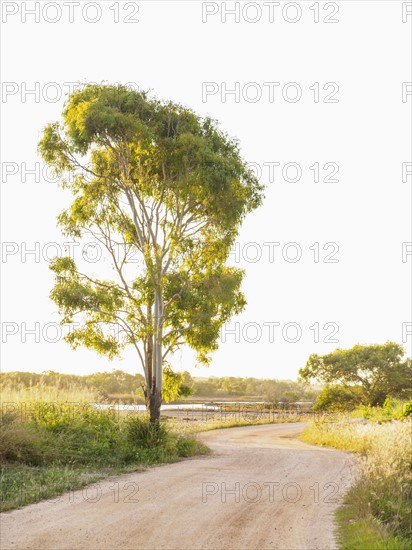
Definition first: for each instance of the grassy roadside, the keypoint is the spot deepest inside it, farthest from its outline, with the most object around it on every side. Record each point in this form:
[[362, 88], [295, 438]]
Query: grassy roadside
[[51, 447], [377, 510], [57, 448], [356, 533], [24, 484]]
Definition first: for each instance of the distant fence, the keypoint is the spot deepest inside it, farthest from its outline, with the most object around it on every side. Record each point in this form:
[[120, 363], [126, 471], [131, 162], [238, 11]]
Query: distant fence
[[190, 412]]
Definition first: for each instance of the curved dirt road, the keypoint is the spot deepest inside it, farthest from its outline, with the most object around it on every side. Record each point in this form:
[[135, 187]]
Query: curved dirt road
[[261, 489]]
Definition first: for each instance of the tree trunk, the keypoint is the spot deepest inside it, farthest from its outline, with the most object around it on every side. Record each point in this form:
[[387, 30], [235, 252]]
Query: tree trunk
[[157, 358], [154, 358], [153, 403]]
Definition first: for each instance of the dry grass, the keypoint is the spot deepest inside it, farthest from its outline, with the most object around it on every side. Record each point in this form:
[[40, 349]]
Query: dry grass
[[51, 394], [384, 491]]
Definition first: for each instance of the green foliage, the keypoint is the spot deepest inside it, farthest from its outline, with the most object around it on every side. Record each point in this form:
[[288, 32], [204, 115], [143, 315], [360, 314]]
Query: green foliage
[[392, 409], [358, 530], [143, 434], [271, 390], [407, 409], [189, 446], [116, 382], [380, 370], [174, 386], [20, 443], [338, 398]]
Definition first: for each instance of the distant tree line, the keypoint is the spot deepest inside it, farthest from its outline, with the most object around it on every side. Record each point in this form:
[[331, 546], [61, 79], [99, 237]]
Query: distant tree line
[[114, 382], [118, 383], [344, 380], [264, 389]]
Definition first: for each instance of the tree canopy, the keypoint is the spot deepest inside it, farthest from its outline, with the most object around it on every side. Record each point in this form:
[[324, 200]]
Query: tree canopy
[[380, 370]]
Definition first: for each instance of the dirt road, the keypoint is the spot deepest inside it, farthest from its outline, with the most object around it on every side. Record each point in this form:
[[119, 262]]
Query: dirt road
[[261, 489]]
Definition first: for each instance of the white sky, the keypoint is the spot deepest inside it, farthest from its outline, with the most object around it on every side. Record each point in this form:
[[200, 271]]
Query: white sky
[[364, 296]]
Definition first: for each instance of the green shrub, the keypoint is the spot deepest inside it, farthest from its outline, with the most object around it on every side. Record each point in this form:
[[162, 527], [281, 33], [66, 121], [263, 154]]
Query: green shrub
[[338, 399], [186, 446], [392, 409], [19, 443], [407, 409], [142, 433]]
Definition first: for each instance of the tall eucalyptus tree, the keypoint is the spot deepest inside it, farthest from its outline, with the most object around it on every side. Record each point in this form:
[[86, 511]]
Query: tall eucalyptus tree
[[152, 179]]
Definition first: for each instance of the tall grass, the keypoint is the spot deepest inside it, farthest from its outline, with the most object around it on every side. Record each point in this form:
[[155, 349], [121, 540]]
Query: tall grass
[[40, 392], [47, 447], [383, 492]]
